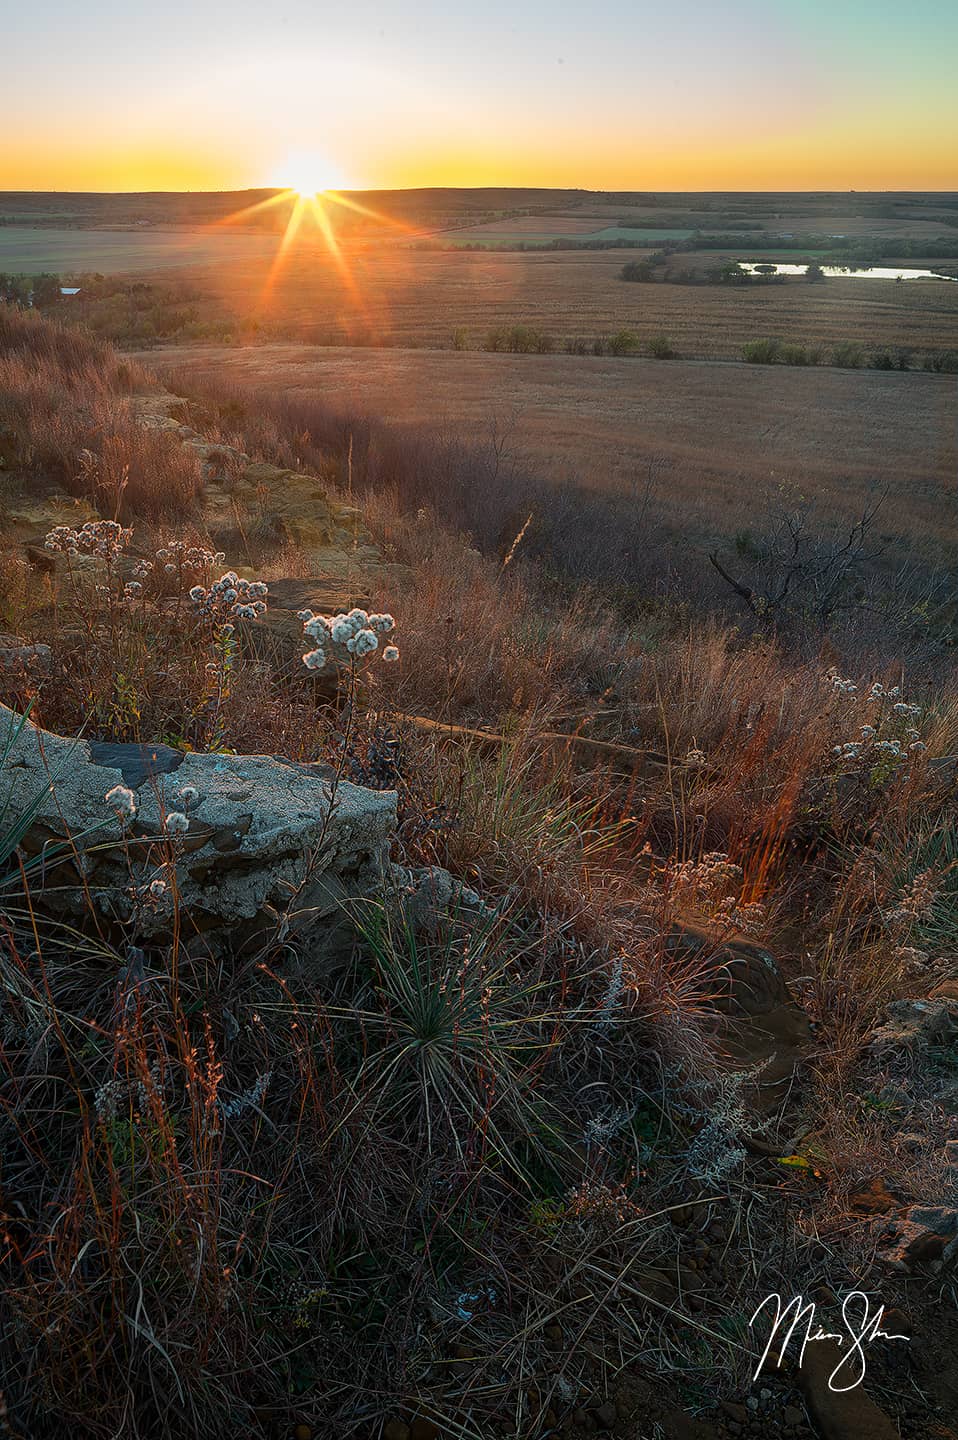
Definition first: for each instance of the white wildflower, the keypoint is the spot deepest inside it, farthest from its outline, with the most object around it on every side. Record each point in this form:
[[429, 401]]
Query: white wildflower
[[123, 801], [176, 823], [390, 654], [314, 659], [251, 1099], [364, 642]]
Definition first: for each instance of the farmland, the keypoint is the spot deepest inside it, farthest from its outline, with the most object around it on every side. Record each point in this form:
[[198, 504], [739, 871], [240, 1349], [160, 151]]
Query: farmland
[[31, 250], [723, 438], [396, 296], [406, 271], [401, 297]]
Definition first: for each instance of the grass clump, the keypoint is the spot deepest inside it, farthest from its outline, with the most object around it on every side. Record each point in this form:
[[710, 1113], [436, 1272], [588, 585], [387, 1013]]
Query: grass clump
[[65, 407], [661, 348], [761, 352]]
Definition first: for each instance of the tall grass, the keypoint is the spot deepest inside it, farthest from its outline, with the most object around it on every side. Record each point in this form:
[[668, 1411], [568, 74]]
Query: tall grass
[[64, 403]]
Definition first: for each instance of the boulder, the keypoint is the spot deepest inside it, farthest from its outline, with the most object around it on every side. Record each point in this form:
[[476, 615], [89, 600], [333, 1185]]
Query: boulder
[[431, 898], [762, 1027], [17, 658], [277, 638], [916, 1025], [253, 834], [840, 1414], [924, 1235]]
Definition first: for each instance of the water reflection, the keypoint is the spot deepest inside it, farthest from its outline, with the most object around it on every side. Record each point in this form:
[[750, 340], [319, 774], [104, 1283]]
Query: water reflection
[[845, 272]]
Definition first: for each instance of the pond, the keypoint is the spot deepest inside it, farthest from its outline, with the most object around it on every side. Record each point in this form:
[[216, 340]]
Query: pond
[[848, 272]]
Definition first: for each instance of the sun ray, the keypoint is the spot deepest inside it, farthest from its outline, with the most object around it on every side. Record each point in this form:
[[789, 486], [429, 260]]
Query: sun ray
[[289, 235], [315, 209], [339, 198], [335, 250], [238, 216]]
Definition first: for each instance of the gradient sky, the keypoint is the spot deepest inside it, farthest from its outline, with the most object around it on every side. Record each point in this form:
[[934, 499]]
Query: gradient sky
[[631, 94]]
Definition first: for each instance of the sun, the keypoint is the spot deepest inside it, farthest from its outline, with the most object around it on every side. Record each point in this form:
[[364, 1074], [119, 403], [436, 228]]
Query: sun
[[309, 173]]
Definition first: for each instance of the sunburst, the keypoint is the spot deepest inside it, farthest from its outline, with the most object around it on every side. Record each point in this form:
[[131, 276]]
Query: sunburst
[[310, 209]]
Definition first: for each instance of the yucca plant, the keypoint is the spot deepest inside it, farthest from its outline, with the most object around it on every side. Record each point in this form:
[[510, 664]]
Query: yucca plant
[[456, 1038]]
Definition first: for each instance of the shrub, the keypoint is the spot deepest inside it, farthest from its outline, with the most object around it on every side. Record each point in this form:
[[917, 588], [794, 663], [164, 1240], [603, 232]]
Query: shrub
[[64, 400], [641, 271], [793, 355], [520, 340], [761, 352], [889, 360], [623, 342], [944, 362], [814, 274], [848, 355], [660, 348]]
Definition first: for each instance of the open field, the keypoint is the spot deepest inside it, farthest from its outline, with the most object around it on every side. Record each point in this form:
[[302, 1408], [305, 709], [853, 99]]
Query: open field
[[727, 435], [398, 296], [382, 288], [31, 250], [886, 214]]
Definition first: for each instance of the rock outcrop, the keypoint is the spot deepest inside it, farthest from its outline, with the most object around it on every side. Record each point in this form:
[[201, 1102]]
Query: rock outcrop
[[224, 838], [296, 506], [761, 1025], [925, 1235], [914, 1026]]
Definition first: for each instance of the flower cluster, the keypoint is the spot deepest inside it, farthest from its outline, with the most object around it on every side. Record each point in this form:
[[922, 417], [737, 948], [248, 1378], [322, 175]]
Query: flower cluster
[[122, 800], [105, 539], [601, 1209], [251, 1099], [176, 556], [715, 1151], [346, 637], [889, 740], [229, 595], [914, 905], [705, 883]]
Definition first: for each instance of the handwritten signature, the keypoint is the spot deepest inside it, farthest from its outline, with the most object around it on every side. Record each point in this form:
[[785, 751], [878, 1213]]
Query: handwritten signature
[[862, 1328]]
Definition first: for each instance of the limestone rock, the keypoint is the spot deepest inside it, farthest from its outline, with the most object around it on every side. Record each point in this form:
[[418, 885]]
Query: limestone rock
[[430, 897], [263, 833], [763, 1027], [840, 1415], [914, 1025], [17, 658], [926, 1234]]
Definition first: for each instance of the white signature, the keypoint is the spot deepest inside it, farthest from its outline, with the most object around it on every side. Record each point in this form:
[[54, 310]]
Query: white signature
[[862, 1328]]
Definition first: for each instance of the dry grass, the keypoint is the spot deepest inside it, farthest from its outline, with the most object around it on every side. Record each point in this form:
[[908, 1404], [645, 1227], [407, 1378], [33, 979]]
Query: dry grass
[[66, 414], [398, 296], [722, 440], [235, 1200]]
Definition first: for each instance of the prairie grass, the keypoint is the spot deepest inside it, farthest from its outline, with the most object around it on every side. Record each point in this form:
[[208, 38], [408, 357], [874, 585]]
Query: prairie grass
[[456, 1169], [64, 407]]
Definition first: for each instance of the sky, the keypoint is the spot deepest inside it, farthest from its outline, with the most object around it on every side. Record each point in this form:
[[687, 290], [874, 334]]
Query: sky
[[613, 94]]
